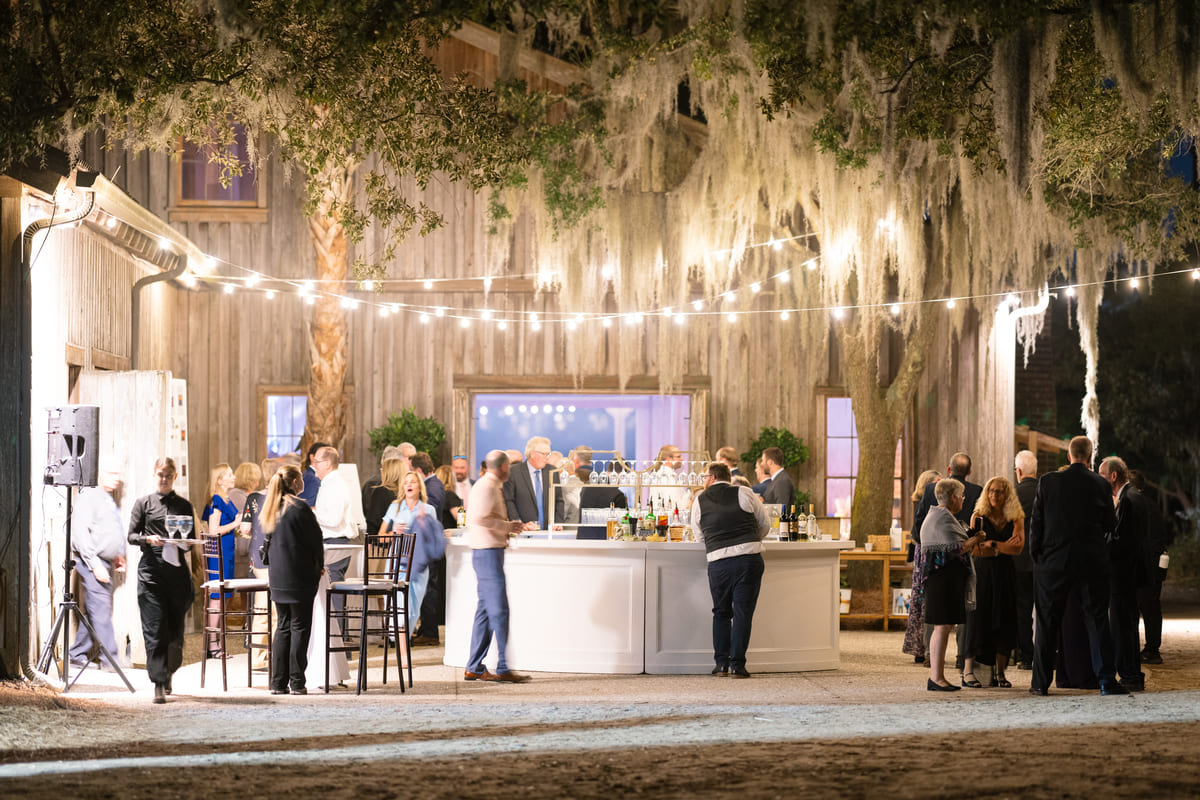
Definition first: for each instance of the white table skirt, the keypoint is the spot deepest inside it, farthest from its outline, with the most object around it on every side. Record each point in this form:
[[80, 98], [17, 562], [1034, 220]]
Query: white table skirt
[[339, 665]]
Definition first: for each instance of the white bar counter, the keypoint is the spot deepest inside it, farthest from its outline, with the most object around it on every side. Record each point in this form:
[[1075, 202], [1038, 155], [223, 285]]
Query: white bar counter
[[598, 606]]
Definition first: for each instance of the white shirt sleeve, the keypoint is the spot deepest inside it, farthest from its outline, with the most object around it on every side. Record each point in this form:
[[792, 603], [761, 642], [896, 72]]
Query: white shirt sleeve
[[749, 502], [331, 509]]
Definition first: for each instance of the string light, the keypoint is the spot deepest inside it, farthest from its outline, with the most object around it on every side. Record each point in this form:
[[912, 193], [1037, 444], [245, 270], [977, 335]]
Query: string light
[[423, 318], [697, 305], [252, 280], [428, 284], [189, 280], [383, 311], [1133, 282], [110, 223], [838, 312], [439, 312], [310, 299], [732, 317], [785, 316], [486, 314], [368, 285], [1070, 291], [1196, 274], [895, 309], [164, 243], [464, 323], [680, 319], [776, 245], [755, 288], [811, 264], [783, 277], [572, 325], [487, 284], [950, 303], [607, 322], [229, 288], [502, 325], [270, 294], [535, 326]]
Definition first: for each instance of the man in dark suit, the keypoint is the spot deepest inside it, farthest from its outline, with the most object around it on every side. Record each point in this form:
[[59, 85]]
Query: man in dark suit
[[781, 489], [1068, 530], [729, 457], [959, 469], [1026, 465], [1127, 574], [1150, 594], [527, 490]]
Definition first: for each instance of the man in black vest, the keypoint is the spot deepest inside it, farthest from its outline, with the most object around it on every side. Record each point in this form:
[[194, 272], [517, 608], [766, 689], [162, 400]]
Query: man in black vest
[[732, 523]]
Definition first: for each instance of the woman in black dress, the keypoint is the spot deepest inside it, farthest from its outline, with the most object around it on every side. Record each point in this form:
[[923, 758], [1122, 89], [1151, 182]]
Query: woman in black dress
[[295, 560], [992, 626], [945, 544], [164, 589]]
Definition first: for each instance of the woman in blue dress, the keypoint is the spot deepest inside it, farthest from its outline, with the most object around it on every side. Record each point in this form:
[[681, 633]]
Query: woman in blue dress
[[222, 518]]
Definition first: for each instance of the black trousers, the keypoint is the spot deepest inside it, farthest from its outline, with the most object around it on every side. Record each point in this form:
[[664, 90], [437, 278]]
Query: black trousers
[[734, 584], [164, 598], [433, 606], [1123, 621], [1150, 606], [289, 646], [1025, 594], [1052, 588]]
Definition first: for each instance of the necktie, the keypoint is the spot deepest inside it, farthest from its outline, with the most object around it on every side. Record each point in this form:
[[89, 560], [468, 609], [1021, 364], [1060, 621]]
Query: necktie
[[537, 493]]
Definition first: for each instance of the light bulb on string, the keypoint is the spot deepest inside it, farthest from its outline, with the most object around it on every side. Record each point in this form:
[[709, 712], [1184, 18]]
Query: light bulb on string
[[189, 280], [783, 277], [439, 312], [486, 313], [535, 326], [607, 272], [349, 304], [732, 317], [308, 286], [270, 294], [502, 325], [1133, 282], [571, 325], [607, 322], [487, 284], [579, 319], [776, 245], [368, 285], [895, 309], [755, 288], [310, 299], [428, 284], [1012, 299], [680, 319], [464, 323], [111, 222], [164, 243], [727, 297], [229, 288], [811, 263], [697, 305], [1196, 274], [785, 316], [950, 303], [383, 311], [252, 280], [838, 312], [1070, 291], [423, 318], [668, 312]]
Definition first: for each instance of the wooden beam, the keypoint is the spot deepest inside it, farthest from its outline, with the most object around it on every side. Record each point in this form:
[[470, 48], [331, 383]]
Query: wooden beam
[[638, 384], [545, 65], [109, 361], [76, 356]]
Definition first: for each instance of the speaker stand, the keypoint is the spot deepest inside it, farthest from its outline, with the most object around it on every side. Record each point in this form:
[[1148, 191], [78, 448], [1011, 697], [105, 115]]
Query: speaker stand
[[65, 607]]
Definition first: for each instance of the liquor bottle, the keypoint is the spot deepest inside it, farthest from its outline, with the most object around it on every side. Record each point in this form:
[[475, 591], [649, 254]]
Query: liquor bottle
[[785, 525], [814, 533], [800, 525], [650, 521], [611, 522], [462, 516]]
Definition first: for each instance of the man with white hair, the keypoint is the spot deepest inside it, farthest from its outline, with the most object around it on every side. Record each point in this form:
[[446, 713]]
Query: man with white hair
[[333, 513], [98, 538], [1026, 467], [527, 490]]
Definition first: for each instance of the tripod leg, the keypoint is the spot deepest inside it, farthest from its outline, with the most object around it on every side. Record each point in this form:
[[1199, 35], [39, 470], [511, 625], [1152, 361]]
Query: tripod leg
[[47, 655], [112, 660]]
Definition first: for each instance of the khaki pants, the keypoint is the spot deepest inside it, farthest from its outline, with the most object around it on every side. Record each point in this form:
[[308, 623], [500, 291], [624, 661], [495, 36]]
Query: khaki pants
[[261, 657]]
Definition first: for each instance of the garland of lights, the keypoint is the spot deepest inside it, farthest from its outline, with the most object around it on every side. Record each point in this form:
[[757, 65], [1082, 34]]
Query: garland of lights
[[703, 307]]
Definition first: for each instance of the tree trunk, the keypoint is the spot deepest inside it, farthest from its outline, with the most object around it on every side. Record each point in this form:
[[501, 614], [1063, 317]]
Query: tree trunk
[[327, 330], [881, 406]]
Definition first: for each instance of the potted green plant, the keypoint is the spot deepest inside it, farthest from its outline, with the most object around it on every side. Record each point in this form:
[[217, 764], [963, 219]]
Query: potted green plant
[[424, 433], [795, 452]]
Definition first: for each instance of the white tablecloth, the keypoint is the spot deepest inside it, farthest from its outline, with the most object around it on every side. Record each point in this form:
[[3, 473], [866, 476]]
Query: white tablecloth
[[339, 666]]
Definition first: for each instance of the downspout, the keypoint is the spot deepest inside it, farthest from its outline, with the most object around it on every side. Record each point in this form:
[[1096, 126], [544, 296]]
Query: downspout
[[135, 324], [26, 379]]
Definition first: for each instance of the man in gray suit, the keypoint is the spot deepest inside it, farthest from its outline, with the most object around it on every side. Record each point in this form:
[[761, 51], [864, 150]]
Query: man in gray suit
[[527, 490], [781, 489]]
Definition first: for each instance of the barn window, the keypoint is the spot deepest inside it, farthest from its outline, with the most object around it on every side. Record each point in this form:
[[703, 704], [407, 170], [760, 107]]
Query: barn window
[[198, 194], [841, 460], [286, 417]]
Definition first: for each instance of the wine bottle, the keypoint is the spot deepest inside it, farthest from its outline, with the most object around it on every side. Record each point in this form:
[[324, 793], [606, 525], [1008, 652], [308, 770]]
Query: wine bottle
[[814, 533], [785, 523], [801, 525], [462, 516]]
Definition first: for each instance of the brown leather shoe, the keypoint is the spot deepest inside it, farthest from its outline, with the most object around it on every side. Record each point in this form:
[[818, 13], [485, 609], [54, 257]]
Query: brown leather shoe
[[424, 641], [478, 676], [511, 677]]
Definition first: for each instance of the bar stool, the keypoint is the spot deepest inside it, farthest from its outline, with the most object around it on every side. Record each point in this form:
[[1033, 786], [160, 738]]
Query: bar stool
[[387, 562], [220, 627]]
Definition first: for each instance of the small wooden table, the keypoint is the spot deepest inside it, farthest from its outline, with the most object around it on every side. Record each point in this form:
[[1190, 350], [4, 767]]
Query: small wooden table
[[889, 560]]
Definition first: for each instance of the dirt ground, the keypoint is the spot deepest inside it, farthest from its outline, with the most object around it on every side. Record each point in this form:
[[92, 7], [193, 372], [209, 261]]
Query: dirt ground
[[866, 730]]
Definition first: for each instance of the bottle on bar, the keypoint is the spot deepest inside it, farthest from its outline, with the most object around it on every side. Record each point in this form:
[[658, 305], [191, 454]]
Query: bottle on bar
[[785, 523], [611, 522], [814, 533], [462, 516], [800, 525]]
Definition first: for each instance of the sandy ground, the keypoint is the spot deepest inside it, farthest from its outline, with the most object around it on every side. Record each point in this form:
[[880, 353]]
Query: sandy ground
[[866, 730]]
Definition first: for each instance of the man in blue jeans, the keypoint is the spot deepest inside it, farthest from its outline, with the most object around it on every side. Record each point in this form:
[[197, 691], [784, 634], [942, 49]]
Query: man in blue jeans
[[732, 523], [488, 529]]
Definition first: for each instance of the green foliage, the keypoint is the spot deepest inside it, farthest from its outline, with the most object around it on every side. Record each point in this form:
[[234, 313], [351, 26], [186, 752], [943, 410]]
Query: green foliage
[[424, 433], [795, 451]]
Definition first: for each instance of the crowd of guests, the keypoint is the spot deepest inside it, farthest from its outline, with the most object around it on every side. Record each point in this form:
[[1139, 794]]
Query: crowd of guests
[[1053, 574], [275, 519]]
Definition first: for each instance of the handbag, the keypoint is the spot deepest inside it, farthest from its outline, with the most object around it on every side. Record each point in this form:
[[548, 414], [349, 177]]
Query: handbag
[[262, 551]]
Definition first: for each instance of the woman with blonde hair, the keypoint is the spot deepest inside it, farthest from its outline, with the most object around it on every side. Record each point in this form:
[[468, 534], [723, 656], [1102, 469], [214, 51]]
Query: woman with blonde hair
[[296, 557], [247, 479], [992, 626], [391, 472], [916, 639], [222, 518]]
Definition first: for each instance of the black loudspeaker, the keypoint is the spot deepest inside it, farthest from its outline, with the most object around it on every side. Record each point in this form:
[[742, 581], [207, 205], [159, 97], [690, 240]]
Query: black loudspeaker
[[72, 442]]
